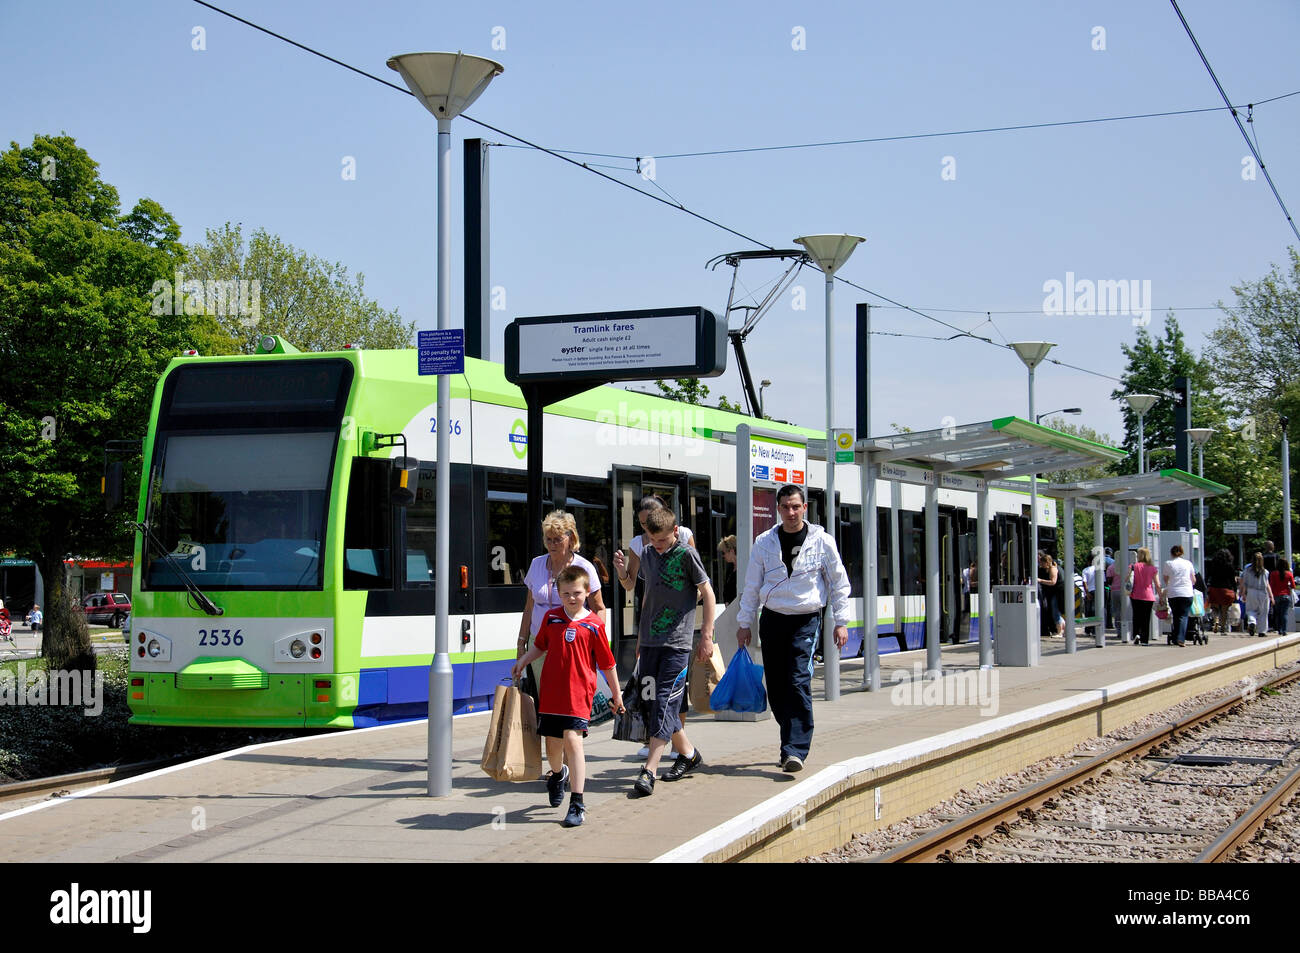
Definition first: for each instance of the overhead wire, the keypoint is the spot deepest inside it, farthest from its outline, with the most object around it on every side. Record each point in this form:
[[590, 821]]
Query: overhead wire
[[1237, 119], [674, 203]]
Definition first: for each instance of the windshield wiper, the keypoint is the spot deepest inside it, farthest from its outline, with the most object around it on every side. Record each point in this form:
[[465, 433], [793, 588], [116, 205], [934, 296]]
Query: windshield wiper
[[206, 604]]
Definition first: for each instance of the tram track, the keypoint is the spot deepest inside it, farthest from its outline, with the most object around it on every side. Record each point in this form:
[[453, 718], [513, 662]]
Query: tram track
[[1101, 809], [42, 789]]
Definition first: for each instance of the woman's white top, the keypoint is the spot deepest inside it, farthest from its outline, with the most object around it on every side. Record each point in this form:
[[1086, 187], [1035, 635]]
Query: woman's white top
[[541, 586], [1180, 579]]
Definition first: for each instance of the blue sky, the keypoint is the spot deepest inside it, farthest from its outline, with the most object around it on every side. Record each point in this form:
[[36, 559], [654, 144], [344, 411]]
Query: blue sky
[[252, 130]]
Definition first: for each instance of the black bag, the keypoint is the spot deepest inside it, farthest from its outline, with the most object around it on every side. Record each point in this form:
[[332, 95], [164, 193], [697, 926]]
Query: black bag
[[631, 725]]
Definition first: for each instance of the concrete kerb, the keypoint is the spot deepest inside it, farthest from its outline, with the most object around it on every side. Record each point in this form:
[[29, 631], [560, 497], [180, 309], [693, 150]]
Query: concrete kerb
[[221, 756], [772, 816]]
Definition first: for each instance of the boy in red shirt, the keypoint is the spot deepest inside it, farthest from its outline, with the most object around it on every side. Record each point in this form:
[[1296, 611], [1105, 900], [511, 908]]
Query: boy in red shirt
[[573, 640]]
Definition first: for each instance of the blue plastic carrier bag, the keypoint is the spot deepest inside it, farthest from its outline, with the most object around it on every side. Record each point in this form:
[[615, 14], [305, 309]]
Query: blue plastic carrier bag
[[741, 686]]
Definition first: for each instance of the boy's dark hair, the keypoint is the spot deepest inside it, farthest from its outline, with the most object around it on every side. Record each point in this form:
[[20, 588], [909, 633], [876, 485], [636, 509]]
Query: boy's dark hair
[[649, 503], [660, 520], [573, 574], [790, 489]]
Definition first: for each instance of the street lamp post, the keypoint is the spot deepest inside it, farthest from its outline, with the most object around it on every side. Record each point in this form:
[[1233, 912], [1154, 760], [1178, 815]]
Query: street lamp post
[[830, 252], [446, 84], [762, 385], [1064, 410], [1199, 436], [1140, 404], [1032, 354], [1286, 495]]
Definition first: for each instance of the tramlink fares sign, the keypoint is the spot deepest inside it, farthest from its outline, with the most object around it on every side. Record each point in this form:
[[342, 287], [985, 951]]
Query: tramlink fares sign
[[616, 346], [777, 461]]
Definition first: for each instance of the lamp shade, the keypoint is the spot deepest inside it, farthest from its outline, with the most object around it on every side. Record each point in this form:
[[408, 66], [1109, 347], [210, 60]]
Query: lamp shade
[[830, 251], [1032, 352], [446, 83], [1141, 403], [1199, 435]]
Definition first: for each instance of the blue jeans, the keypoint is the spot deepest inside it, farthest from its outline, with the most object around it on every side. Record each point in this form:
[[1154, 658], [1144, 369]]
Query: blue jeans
[[788, 645], [1179, 607], [1282, 614]]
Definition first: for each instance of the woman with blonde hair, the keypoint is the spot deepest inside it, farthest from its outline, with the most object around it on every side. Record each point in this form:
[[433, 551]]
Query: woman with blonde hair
[[560, 533], [1144, 589]]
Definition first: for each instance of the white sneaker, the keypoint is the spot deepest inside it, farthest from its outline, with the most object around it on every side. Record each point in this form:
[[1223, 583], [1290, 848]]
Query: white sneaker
[[644, 752]]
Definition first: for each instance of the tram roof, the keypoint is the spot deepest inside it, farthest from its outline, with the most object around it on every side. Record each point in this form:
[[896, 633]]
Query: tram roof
[[1154, 488], [996, 449]]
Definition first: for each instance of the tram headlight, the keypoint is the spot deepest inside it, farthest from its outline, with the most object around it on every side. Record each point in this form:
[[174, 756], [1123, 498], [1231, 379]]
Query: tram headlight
[[298, 649], [155, 649]]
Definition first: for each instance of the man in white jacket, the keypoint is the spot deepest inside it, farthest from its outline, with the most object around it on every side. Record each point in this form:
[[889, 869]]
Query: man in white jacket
[[794, 570]]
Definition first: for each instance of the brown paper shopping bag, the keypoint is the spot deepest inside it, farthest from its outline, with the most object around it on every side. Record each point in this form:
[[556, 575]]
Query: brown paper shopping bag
[[704, 675], [513, 750]]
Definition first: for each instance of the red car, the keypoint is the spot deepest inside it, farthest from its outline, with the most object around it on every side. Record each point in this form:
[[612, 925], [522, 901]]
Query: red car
[[106, 608]]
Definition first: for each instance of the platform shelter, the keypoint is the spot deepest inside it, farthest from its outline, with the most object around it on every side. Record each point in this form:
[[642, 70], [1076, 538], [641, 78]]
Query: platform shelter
[[963, 457], [1118, 496]]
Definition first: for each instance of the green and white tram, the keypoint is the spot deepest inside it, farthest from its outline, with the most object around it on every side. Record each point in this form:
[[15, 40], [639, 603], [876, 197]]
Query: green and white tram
[[267, 497]]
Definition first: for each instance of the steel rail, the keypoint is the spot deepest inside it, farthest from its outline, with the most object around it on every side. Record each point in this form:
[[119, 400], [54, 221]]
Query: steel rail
[[939, 844]]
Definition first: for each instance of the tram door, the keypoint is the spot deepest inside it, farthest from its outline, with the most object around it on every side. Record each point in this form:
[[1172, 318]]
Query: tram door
[[1010, 557], [953, 545], [688, 496]]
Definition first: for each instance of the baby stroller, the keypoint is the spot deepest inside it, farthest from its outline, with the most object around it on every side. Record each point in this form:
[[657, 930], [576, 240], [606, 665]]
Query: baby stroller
[[5, 629]]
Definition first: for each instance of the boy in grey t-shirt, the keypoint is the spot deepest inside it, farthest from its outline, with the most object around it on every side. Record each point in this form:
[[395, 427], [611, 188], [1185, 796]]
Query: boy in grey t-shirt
[[675, 581]]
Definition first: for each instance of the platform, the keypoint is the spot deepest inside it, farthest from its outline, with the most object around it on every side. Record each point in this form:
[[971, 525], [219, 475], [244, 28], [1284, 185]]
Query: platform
[[876, 757]]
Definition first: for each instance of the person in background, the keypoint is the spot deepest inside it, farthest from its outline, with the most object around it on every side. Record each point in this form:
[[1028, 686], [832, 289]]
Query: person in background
[[1223, 583], [1281, 583], [35, 618], [1048, 577], [1256, 595], [1144, 590], [1180, 583], [727, 550]]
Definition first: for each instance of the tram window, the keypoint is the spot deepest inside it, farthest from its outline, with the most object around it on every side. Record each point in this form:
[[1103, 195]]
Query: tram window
[[588, 501], [367, 532], [851, 546], [421, 530], [884, 565], [911, 543], [507, 530]]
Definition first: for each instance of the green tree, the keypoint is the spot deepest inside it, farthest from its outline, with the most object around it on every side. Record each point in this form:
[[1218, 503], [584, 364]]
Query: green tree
[[313, 304], [692, 390], [82, 350], [1239, 455], [1256, 347]]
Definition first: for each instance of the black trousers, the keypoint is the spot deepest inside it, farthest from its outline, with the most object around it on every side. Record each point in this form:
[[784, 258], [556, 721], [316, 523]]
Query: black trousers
[[788, 645]]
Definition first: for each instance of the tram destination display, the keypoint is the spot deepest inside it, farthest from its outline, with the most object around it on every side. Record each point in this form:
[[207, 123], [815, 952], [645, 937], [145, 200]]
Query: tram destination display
[[616, 346]]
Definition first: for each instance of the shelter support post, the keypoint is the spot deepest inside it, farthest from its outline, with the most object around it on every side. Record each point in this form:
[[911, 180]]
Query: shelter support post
[[895, 562], [984, 600], [870, 548], [1067, 567], [933, 642], [1123, 608], [1099, 600]]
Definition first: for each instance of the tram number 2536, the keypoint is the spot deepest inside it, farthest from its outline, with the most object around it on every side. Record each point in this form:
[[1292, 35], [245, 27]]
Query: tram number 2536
[[221, 637], [453, 427]]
